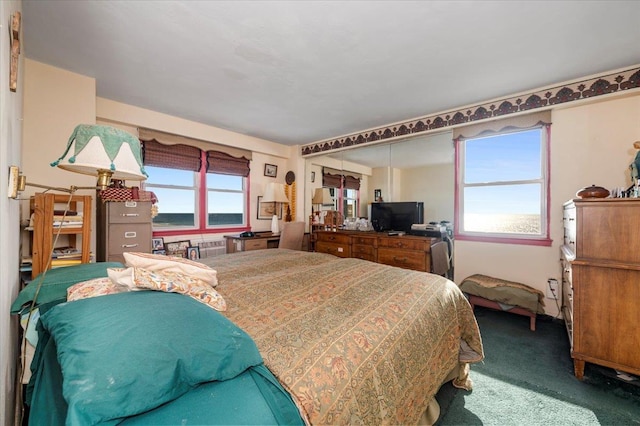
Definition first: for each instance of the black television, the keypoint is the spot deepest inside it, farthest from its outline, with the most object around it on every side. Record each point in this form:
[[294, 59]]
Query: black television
[[398, 216]]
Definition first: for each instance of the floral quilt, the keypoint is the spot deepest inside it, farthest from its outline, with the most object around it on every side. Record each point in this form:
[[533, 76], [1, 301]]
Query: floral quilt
[[352, 341]]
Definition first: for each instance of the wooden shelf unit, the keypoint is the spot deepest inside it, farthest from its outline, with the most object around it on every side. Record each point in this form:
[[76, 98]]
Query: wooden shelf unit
[[43, 206]]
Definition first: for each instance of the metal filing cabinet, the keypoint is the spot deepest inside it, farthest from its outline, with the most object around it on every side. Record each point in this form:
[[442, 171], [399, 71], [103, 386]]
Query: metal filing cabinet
[[123, 226]]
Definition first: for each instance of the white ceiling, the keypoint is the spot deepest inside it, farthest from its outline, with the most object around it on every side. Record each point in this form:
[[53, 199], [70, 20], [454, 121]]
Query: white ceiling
[[296, 72]]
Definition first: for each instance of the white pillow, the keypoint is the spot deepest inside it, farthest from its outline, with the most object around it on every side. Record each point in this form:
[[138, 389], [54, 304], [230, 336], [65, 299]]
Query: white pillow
[[161, 263]]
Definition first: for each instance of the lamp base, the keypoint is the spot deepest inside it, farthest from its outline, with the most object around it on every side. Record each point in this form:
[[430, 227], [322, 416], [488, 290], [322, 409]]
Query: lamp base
[[275, 228]]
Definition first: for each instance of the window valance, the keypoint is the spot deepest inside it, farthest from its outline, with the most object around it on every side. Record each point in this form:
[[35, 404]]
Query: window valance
[[176, 156], [351, 182], [520, 122], [171, 139], [223, 163], [333, 178]]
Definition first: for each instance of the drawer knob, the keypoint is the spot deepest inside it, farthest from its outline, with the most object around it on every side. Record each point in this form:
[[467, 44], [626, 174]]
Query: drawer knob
[[130, 214], [400, 259], [129, 245]]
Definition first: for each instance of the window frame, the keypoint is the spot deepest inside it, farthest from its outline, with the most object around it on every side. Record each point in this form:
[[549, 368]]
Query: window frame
[[542, 239], [201, 205]]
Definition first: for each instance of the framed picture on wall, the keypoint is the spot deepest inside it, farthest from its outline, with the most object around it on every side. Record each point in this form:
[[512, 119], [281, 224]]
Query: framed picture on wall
[[270, 170], [266, 210]]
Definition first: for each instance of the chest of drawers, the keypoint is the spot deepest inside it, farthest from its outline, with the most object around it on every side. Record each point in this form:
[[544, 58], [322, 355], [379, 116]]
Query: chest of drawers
[[122, 226], [601, 282], [404, 251]]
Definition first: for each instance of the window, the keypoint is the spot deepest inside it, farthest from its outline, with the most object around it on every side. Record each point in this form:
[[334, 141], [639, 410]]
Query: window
[[177, 192], [502, 187], [225, 200], [345, 190], [198, 191], [350, 203]]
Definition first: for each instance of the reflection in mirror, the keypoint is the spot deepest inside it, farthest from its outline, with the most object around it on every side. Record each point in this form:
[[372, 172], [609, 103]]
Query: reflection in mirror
[[413, 169]]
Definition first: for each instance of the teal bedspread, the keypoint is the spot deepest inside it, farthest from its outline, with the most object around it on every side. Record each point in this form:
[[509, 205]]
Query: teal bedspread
[[150, 358]]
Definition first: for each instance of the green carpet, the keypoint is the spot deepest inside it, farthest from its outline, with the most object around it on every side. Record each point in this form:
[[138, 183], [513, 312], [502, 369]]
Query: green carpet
[[527, 379]]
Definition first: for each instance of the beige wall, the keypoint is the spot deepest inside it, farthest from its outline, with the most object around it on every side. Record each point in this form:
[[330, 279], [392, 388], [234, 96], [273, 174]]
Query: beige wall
[[434, 185], [130, 118], [55, 102], [590, 144]]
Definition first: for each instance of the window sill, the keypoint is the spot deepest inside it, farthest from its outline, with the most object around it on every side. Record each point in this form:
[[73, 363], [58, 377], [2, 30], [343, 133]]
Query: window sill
[[543, 242]]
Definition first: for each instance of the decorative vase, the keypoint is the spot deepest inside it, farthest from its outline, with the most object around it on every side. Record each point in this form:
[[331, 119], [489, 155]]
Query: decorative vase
[[275, 229]]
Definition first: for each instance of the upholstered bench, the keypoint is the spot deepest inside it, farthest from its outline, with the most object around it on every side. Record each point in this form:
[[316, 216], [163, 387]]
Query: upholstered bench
[[503, 295]]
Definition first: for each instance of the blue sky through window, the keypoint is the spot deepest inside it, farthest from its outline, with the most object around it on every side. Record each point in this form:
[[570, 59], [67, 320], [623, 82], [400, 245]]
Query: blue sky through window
[[503, 158]]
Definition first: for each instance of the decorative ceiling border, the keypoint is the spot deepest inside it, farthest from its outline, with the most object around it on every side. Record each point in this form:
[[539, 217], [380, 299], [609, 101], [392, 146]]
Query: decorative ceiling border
[[588, 88]]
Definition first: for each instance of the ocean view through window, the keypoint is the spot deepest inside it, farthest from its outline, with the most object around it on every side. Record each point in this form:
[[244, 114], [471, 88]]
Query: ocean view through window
[[180, 199], [502, 186]]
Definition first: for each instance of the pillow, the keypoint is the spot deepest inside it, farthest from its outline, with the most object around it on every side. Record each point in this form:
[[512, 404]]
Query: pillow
[[128, 353], [170, 282], [56, 281], [93, 288], [159, 262]]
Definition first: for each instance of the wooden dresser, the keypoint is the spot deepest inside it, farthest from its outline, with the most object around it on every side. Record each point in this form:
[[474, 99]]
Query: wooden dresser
[[601, 282], [404, 251], [122, 226]]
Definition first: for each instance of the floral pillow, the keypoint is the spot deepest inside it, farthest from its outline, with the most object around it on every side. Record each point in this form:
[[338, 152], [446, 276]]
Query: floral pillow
[[161, 263], [92, 288], [169, 282]]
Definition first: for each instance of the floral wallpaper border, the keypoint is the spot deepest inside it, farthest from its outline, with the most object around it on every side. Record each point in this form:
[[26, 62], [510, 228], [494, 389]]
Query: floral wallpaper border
[[596, 86]]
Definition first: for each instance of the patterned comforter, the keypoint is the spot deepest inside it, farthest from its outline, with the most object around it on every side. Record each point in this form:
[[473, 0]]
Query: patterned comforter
[[352, 341]]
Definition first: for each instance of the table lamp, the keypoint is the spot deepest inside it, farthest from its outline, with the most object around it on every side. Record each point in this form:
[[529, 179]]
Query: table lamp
[[274, 193], [102, 151]]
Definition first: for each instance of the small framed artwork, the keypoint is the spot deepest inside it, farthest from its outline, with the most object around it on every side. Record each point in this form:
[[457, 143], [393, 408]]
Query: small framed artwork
[[270, 170], [157, 243], [266, 210], [177, 248], [159, 251], [313, 177], [193, 253]]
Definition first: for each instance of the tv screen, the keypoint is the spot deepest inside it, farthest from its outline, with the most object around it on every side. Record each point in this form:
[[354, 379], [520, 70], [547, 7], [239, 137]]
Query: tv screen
[[397, 216]]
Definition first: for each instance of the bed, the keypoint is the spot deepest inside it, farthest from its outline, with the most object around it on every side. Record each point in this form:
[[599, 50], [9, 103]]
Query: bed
[[316, 340]]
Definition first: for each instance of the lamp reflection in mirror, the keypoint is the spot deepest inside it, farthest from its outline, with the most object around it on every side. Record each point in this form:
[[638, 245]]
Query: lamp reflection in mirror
[[274, 193], [321, 197], [102, 151]]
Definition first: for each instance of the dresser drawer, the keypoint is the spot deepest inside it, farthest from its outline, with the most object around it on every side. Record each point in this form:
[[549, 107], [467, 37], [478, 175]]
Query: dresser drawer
[[365, 252], [129, 237], [255, 244], [364, 240], [336, 249], [333, 237], [409, 259], [129, 212], [403, 243]]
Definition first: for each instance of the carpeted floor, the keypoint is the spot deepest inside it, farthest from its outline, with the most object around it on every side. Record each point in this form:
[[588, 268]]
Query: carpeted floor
[[527, 379]]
